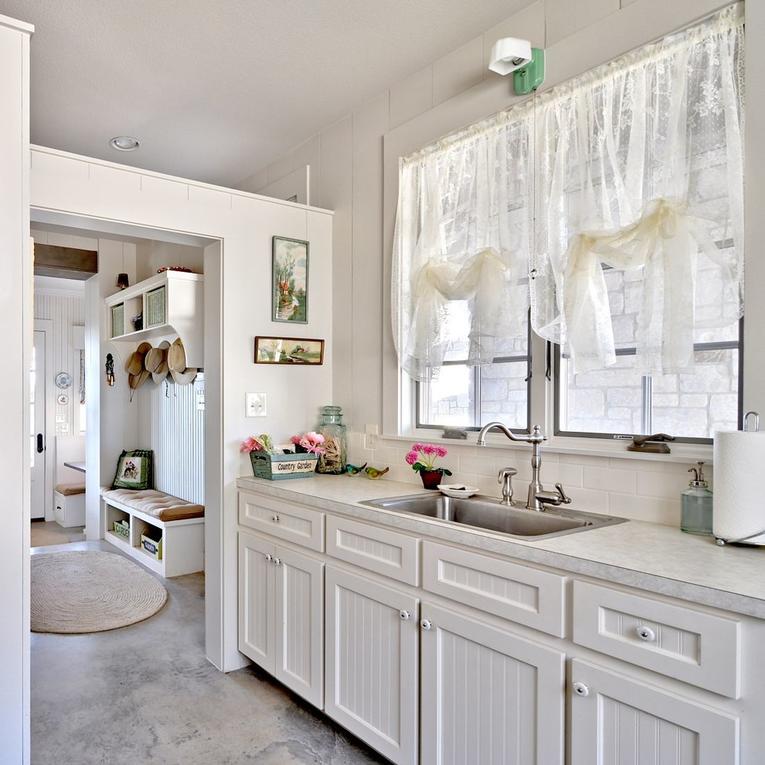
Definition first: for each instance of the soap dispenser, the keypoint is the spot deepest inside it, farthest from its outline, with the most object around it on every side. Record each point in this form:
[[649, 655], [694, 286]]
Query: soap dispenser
[[697, 504]]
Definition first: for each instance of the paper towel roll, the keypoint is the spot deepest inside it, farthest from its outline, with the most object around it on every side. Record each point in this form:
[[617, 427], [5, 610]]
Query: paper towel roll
[[739, 485]]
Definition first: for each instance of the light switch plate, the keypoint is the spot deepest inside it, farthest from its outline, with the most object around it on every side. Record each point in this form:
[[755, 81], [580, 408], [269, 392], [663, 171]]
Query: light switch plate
[[256, 405]]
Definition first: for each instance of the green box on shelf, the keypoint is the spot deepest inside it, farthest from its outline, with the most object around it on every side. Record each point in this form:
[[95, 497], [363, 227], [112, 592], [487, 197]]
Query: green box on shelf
[[121, 529], [151, 541], [278, 467]]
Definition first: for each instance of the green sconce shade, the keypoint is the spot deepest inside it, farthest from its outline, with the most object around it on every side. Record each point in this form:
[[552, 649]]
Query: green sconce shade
[[528, 78]]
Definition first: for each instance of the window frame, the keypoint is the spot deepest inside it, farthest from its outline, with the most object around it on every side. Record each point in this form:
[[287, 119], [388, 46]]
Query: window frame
[[737, 345], [528, 357]]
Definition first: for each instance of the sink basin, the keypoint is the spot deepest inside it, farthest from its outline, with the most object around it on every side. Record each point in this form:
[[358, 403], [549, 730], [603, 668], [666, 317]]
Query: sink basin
[[488, 514]]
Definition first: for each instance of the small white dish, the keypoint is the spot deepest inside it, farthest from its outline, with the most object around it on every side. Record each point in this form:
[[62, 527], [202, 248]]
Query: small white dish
[[458, 490]]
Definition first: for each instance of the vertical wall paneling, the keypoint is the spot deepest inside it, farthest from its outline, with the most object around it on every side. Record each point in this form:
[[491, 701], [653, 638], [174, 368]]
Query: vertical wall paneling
[[172, 426], [66, 311]]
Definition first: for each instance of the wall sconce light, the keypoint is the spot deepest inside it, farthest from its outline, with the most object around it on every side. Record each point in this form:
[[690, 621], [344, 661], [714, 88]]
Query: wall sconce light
[[516, 56]]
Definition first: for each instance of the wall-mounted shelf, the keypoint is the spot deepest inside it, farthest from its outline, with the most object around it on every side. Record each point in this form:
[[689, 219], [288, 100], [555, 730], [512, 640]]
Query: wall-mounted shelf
[[172, 304]]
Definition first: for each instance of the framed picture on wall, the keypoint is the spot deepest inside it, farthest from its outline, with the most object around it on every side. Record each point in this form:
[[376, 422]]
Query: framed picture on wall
[[289, 350], [289, 280]]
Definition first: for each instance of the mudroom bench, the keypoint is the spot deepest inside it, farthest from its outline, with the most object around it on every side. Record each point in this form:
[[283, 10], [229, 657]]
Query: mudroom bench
[[163, 532]]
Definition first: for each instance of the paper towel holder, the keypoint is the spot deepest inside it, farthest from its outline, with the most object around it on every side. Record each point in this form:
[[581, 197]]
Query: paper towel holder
[[752, 418]]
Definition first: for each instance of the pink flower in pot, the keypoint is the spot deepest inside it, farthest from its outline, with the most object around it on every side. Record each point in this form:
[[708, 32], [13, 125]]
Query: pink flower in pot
[[422, 458]]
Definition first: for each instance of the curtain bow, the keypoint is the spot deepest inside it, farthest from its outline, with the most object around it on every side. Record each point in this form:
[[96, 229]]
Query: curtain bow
[[663, 242]]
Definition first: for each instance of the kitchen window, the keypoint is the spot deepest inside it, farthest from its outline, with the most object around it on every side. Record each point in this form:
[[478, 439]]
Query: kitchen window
[[596, 229]]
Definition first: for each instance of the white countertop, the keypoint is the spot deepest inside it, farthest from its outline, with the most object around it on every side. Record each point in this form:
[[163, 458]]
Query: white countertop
[[645, 555]]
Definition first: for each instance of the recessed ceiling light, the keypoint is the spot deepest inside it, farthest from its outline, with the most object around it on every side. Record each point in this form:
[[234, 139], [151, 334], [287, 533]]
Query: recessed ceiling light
[[124, 143]]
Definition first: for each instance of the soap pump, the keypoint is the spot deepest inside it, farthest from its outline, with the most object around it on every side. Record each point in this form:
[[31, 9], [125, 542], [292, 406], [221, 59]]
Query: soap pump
[[697, 504]]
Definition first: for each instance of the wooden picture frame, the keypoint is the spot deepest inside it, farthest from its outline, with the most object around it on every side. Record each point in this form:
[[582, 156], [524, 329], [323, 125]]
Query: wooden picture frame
[[291, 351], [289, 280]]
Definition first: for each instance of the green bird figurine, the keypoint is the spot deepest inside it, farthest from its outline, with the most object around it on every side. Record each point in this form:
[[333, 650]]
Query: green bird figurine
[[375, 474], [354, 469]]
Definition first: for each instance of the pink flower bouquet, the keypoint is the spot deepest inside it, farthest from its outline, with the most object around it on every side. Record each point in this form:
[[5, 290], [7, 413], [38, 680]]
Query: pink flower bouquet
[[261, 443], [309, 442]]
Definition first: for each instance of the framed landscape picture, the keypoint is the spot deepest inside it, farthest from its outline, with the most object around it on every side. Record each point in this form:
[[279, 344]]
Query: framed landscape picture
[[289, 280], [289, 350]]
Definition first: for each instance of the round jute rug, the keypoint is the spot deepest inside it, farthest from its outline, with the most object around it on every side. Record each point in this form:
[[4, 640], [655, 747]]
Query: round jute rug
[[91, 591]]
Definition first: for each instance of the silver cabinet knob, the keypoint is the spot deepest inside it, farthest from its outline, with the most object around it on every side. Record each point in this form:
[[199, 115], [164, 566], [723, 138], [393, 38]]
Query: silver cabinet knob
[[275, 518], [580, 689], [269, 557], [645, 633], [278, 561], [425, 624], [405, 615]]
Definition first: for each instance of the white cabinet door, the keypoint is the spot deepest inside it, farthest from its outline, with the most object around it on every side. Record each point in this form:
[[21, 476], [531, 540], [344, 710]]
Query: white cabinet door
[[488, 696], [616, 720], [299, 623], [371, 663], [256, 600]]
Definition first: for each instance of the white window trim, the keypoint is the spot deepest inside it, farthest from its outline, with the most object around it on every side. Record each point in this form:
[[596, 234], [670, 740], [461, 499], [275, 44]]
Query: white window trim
[[542, 414]]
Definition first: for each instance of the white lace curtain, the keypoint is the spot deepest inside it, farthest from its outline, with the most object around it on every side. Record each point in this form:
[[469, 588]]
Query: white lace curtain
[[636, 166]]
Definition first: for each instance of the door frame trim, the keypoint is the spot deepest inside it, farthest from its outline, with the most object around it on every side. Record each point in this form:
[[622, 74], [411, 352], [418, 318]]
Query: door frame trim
[[46, 326]]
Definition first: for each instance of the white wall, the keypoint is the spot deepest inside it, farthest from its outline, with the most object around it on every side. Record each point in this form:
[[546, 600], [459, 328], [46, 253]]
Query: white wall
[[16, 302], [68, 189], [151, 255], [354, 168]]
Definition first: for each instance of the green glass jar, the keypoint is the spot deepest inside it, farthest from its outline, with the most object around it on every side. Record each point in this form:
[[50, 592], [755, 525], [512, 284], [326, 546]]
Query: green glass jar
[[334, 458]]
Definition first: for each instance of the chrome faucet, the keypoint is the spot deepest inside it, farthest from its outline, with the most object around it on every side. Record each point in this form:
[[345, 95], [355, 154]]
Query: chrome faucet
[[538, 496]]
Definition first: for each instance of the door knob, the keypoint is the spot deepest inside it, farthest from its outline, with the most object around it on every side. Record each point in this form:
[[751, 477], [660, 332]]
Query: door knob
[[278, 561], [425, 624], [645, 633], [580, 689], [269, 557], [404, 615]]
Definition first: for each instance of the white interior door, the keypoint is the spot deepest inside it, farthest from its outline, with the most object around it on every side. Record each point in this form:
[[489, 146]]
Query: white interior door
[[37, 424]]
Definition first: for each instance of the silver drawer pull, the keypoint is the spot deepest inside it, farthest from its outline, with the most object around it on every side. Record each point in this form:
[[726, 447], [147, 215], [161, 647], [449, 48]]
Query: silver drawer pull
[[275, 518], [404, 615], [425, 624], [269, 557], [645, 633], [278, 561], [580, 689]]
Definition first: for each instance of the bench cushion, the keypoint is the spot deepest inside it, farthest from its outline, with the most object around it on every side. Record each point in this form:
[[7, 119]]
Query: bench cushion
[[68, 489], [164, 507]]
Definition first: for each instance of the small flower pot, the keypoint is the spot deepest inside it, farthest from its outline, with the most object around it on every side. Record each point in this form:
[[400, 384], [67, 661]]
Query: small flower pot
[[431, 478]]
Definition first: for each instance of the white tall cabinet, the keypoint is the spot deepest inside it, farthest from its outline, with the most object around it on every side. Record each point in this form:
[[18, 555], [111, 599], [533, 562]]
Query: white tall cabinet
[[16, 301], [440, 655]]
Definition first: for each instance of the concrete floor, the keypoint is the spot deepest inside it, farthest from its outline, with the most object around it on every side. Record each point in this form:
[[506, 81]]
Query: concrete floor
[[46, 533], [146, 694]]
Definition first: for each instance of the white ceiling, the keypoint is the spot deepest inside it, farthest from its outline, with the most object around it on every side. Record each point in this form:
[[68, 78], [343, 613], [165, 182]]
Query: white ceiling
[[216, 89]]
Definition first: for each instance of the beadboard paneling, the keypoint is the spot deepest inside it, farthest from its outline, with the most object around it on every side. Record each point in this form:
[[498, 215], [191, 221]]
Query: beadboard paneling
[[170, 424], [65, 311]]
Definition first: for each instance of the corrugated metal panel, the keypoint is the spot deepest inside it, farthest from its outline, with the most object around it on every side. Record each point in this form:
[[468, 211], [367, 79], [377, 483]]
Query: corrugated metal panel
[[173, 427]]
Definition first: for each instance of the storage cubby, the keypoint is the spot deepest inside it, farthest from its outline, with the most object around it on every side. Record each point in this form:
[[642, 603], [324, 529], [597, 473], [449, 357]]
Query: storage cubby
[[112, 514]]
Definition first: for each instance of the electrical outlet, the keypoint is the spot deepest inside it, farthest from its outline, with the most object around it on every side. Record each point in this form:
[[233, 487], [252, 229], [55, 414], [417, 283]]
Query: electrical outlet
[[255, 405]]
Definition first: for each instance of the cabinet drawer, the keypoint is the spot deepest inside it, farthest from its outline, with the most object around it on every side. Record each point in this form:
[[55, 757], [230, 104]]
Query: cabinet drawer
[[695, 647], [518, 593], [380, 550], [281, 519]]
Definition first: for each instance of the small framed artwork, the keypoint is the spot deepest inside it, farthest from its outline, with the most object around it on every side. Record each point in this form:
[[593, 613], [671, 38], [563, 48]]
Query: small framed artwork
[[289, 350], [289, 280]]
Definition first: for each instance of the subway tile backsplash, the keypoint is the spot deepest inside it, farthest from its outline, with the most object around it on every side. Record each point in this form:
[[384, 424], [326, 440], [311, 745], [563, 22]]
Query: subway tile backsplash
[[643, 490]]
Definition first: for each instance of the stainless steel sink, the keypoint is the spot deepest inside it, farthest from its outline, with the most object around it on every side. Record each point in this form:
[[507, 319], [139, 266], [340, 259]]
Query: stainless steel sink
[[489, 514]]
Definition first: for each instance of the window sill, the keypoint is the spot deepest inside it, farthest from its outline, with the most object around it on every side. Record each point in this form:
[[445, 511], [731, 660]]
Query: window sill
[[615, 449]]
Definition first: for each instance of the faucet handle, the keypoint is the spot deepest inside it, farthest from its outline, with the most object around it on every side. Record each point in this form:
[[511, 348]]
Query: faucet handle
[[508, 471], [564, 498]]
